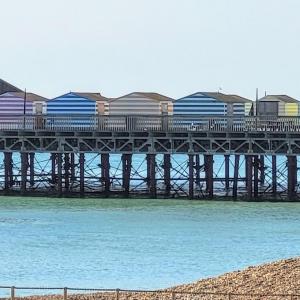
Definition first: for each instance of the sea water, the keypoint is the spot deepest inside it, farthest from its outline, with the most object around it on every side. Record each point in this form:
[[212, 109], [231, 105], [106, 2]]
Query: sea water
[[138, 244]]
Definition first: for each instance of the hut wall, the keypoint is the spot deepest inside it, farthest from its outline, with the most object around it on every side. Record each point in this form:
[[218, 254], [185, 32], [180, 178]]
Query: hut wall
[[10, 104], [135, 104], [71, 104], [291, 109], [102, 108], [199, 104]]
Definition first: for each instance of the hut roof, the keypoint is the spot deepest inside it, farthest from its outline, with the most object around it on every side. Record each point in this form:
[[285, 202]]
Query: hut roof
[[230, 98], [7, 87], [92, 96], [283, 98], [153, 96], [29, 96]]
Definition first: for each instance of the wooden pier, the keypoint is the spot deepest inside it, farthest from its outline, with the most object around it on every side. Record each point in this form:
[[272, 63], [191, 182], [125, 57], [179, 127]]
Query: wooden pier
[[259, 156]]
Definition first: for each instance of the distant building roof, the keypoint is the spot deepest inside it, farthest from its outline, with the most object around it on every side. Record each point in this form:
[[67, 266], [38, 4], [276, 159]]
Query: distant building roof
[[154, 96], [283, 98], [92, 96], [29, 96], [227, 98], [7, 87]]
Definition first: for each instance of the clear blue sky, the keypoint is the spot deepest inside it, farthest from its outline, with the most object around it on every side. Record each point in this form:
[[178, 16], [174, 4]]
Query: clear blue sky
[[174, 47]]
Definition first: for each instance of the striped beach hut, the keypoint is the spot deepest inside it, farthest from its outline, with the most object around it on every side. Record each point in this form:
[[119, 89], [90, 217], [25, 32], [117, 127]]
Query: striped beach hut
[[277, 105], [76, 109], [208, 103], [13, 105]]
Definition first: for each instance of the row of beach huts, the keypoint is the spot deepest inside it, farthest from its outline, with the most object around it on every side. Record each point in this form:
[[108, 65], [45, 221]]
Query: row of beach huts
[[14, 101]]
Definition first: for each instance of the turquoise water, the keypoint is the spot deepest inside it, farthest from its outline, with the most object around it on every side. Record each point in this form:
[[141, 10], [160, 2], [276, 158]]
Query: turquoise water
[[138, 243]]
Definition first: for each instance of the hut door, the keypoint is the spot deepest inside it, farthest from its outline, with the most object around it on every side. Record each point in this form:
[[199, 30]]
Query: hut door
[[230, 109], [39, 108], [164, 108], [101, 108]]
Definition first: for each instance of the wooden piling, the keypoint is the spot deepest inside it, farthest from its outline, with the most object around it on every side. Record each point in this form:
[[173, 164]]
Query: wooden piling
[[59, 174], [53, 158], [152, 179], [31, 168], [292, 176], [274, 175], [105, 174], [255, 176], [167, 174], [8, 171], [24, 169], [227, 165], [72, 167], [67, 171], [235, 176], [197, 169], [191, 176], [208, 158], [81, 174], [249, 175], [262, 169], [126, 170]]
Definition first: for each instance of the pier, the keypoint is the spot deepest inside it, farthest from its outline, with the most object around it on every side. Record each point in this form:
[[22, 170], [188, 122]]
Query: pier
[[70, 155]]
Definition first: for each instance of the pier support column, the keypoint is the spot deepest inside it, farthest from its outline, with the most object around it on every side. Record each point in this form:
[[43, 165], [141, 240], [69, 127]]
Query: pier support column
[[256, 164], [59, 174], [292, 176], [274, 175], [197, 169], [126, 166], [8, 171], [262, 170], [72, 166], [105, 166], [67, 171], [167, 174], [31, 169], [209, 170], [152, 180], [81, 174], [249, 174], [235, 176], [191, 176], [227, 164], [53, 157], [24, 169]]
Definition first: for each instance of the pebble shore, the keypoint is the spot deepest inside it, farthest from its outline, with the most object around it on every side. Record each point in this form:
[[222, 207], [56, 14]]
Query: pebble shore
[[260, 282]]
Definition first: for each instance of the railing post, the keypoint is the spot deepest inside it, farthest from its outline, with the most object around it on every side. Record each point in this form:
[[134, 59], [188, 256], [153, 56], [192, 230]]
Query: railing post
[[65, 293], [12, 293], [117, 294]]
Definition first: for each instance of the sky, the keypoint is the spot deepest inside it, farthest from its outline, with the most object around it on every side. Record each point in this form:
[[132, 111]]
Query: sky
[[173, 47]]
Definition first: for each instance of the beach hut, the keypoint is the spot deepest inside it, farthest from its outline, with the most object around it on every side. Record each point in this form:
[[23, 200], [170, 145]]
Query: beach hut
[[277, 105], [76, 109], [209, 103], [13, 105], [140, 110], [7, 87]]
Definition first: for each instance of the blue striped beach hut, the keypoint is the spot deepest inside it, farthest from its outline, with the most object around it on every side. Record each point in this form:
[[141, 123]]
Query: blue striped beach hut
[[76, 109], [202, 105]]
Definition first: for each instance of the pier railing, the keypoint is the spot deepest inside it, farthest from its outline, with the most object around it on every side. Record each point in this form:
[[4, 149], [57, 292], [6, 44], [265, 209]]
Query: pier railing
[[31, 293], [122, 123]]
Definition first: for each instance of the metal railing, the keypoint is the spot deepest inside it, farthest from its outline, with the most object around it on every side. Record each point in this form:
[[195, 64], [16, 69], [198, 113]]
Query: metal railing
[[122, 123], [56, 293]]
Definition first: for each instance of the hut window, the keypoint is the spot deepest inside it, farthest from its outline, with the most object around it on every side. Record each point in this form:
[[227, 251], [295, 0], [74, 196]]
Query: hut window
[[164, 108], [39, 108]]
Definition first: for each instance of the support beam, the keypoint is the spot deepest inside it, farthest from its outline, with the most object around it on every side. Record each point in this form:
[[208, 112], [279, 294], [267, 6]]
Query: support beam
[[31, 168], [152, 173], [191, 176], [235, 176], [255, 177], [24, 168], [81, 174], [72, 166], [197, 169], [249, 174], [274, 175], [67, 171], [227, 164], [126, 170], [59, 174], [262, 170], [8, 171], [53, 158], [209, 170], [167, 174], [105, 174], [292, 176]]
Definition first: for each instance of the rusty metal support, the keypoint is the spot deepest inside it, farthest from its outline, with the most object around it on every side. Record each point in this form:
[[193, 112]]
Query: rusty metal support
[[249, 175], [292, 176], [235, 176], [191, 176], [8, 171], [24, 169], [262, 170], [31, 169], [72, 166], [256, 164], [227, 174], [81, 174], [209, 170], [152, 179], [105, 174], [197, 169], [67, 171], [274, 175], [167, 174], [126, 170], [59, 174], [53, 158]]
